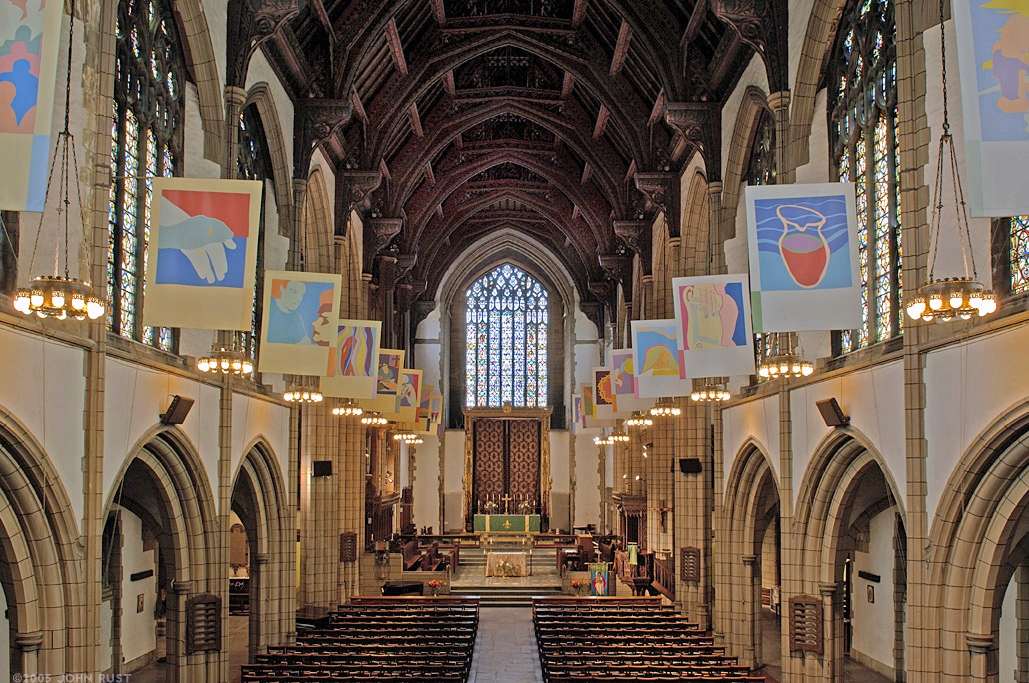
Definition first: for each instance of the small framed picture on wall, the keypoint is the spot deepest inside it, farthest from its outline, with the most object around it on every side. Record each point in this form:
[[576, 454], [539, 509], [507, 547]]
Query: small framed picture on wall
[[871, 594], [139, 603]]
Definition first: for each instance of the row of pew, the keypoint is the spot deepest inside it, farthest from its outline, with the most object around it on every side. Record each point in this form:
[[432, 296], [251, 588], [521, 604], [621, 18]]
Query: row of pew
[[627, 639], [379, 640]]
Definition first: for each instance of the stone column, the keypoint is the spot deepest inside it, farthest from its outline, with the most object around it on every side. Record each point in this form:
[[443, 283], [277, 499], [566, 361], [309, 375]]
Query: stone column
[[751, 612], [27, 646], [1022, 624], [984, 664], [832, 621]]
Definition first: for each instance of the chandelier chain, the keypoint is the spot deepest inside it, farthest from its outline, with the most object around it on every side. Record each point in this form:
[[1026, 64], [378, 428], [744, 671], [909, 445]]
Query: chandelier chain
[[943, 61]]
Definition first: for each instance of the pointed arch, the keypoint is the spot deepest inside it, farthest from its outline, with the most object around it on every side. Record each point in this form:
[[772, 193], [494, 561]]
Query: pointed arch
[[318, 254], [748, 116], [204, 65], [261, 97], [696, 229]]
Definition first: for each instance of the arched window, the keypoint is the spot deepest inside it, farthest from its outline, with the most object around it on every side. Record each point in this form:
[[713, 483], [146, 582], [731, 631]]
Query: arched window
[[761, 171], [1018, 254], [863, 149], [146, 141], [506, 326], [253, 162]]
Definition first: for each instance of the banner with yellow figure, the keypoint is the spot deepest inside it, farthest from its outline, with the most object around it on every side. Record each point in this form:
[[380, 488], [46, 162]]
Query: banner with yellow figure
[[658, 370], [712, 326]]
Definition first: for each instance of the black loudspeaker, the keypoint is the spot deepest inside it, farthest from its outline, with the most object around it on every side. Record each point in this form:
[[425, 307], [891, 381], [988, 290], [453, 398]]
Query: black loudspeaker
[[690, 465], [322, 468], [177, 411], [832, 413]]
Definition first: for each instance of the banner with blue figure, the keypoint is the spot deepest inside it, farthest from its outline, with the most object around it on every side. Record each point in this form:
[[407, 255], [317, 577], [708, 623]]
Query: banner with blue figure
[[202, 253], [803, 257], [712, 326], [300, 322], [658, 371], [30, 35], [993, 60], [388, 383]]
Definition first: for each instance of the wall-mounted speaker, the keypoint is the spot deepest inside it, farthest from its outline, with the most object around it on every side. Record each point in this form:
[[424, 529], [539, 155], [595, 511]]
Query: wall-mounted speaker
[[177, 411], [690, 466], [322, 468], [832, 413]]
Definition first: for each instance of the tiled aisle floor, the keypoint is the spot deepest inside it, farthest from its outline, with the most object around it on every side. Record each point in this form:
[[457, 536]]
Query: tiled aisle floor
[[505, 649]]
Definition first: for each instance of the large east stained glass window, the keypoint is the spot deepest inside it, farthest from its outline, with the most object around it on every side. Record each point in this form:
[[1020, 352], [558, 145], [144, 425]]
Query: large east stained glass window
[[863, 149], [506, 325], [146, 141]]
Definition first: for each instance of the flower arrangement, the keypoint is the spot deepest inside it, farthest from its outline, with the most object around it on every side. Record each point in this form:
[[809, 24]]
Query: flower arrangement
[[503, 568], [525, 507], [435, 585], [578, 585], [490, 507]]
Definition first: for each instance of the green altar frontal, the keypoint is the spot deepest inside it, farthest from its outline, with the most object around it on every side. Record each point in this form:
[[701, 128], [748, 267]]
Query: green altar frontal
[[507, 523]]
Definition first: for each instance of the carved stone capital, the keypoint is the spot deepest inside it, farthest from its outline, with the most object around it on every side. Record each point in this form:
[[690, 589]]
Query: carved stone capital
[[378, 232], [656, 186], [762, 25], [405, 262], [315, 121], [28, 642], [700, 124], [619, 267], [251, 22], [631, 232]]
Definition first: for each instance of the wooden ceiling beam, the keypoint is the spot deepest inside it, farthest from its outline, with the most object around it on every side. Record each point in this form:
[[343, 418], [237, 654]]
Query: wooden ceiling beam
[[566, 86], [621, 48], [578, 13], [448, 83], [587, 171], [657, 114], [416, 121], [429, 174], [359, 111], [602, 116], [438, 12], [396, 48]]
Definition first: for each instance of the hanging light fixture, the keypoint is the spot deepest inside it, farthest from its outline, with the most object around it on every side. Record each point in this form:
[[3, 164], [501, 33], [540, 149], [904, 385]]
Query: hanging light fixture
[[785, 362], [407, 436], [602, 440], [638, 421], [347, 408], [225, 361], [374, 419], [618, 436], [955, 297], [711, 393], [61, 296], [301, 393], [665, 407]]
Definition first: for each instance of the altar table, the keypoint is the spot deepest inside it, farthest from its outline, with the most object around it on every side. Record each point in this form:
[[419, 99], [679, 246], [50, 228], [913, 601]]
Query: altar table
[[518, 562], [495, 524]]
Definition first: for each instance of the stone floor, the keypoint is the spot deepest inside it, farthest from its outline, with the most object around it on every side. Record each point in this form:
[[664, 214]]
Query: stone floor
[[505, 649], [238, 653]]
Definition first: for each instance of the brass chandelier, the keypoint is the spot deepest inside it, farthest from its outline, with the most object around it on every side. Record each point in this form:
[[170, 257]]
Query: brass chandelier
[[665, 407], [785, 362], [348, 408], [225, 361]]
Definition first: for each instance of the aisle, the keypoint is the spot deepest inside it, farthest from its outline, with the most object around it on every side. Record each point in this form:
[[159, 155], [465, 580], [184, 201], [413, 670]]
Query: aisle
[[505, 648]]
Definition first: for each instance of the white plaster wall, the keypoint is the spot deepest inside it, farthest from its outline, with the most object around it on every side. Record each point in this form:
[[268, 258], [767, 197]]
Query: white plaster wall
[[757, 420], [874, 622], [587, 481], [1007, 640], [969, 385], [426, 484], [138, 629], [453, 468], [873, 398], [136, 395], [560, 468], [53, 416], [253, 419], [106, 662], [5, 646]]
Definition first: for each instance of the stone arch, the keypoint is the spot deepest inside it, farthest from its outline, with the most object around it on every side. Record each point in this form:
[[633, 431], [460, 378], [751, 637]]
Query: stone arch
[[260, 96], [169, 464], [201, 58], [748, 490], [41, 572], [318, 254], [696, 228], [841, 466], [260, 499], [747, 117], [978, 530]]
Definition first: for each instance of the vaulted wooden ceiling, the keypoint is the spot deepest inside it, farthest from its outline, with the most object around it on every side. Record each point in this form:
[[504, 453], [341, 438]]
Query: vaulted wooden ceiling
[[448, 119]]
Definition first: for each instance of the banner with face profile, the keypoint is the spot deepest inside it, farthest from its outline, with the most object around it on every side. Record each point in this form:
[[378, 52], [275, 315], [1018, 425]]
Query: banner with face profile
[[387, 383], [300, 322], [202, 254], [712, 326]]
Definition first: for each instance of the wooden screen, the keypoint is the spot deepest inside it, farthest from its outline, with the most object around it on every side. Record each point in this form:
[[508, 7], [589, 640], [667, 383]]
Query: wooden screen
[[507, 461]]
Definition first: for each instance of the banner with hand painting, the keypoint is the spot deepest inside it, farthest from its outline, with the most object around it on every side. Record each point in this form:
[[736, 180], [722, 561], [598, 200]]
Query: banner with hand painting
[[712, 326], [300, 321], [993, 59], [803, 257], [658, 365], [30, 37], [355, 360], [203, 254]]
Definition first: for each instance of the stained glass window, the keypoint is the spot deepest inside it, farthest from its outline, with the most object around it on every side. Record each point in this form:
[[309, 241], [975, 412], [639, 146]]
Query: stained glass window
[[761, 171], [253, 163], [1018, 254], [9, 235], [506, 326], [146, 141], [863, 147]]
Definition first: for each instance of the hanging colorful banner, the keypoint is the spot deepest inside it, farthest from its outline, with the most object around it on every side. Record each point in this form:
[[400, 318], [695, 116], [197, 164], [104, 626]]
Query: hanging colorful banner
[[603, 394], [658, 372], [355, 360], [599, 585], [30, 36], [712, 325], [387, 383], [578, 414], [803, 257], [623, 381], [409, 395], [992, 40], [301, 317], [203, 254]]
